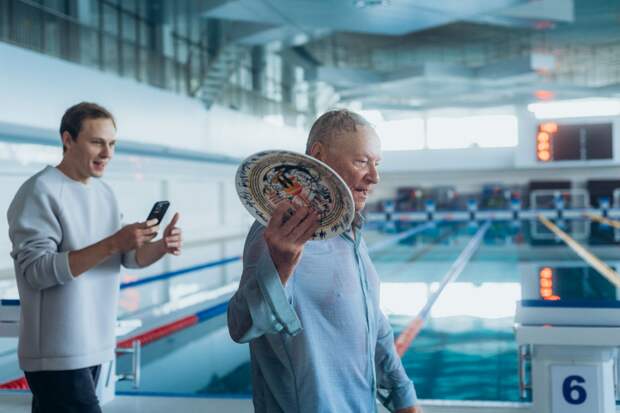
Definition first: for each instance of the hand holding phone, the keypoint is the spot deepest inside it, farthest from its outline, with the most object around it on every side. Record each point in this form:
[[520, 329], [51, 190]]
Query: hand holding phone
[[173, 238], [136, 235], [158, 211]]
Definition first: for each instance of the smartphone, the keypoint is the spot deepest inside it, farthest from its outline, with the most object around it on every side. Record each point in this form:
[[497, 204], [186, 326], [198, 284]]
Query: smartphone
[[158, 211]]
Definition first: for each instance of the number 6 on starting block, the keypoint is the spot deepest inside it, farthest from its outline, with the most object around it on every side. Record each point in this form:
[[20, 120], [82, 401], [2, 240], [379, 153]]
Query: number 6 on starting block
[[582, 388]]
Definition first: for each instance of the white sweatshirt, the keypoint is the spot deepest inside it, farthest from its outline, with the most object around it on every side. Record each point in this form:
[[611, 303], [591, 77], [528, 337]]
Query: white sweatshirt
[[66, 323]]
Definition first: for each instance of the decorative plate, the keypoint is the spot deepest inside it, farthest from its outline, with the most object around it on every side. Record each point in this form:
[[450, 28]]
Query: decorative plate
[[266, 178]]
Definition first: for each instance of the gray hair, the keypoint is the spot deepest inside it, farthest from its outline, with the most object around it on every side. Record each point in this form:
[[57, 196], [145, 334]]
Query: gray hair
[[333, 124]]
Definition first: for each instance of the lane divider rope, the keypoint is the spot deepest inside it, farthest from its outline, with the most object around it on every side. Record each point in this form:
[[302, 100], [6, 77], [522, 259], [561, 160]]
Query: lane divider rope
[[601, 219], [595, 262], [406, 337]]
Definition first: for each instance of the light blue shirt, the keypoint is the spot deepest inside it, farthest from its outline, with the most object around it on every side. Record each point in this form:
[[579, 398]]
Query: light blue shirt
[[321, 343]]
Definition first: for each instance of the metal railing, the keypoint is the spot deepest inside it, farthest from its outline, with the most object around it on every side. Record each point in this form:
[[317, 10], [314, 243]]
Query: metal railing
[[176, 273], [158, 277], [136, 359]]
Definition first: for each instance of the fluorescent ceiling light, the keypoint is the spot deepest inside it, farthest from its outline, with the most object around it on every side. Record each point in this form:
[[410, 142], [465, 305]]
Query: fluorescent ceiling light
[[577, 108]]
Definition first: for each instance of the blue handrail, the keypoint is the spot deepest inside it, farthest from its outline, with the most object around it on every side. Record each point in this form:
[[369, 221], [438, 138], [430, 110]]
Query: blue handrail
[[171, 274], [160, 277]]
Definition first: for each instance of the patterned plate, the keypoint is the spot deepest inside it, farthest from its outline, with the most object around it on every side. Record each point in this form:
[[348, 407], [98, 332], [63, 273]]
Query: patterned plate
[[265, 178]]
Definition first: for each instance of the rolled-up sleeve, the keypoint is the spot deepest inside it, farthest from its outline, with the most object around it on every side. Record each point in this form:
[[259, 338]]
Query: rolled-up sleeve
[[261, 304], [36, 234], [390, 372]]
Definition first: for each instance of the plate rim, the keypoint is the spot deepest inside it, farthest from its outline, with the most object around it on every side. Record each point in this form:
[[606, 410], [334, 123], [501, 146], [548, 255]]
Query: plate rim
[[275, 152]]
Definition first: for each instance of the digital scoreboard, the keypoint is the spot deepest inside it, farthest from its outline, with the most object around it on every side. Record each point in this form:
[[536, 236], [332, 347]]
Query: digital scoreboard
[[573, 142]]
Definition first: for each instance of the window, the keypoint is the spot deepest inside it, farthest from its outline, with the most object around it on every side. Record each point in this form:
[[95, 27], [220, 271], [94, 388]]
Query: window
[[401, 135], [491, 131]]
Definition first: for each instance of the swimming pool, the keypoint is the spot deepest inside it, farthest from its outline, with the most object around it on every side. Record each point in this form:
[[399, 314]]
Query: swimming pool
[[466, 349]]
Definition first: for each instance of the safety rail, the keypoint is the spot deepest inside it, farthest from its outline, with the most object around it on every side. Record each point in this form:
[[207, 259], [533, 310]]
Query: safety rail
[[154, 278], [136, 360], [176, 273]]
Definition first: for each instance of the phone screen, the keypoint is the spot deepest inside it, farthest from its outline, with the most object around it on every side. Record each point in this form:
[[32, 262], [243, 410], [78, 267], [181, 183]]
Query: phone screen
[[158, 211]]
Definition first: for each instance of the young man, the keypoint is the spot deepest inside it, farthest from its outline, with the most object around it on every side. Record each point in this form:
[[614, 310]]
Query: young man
[[68, 246], [310, 309]]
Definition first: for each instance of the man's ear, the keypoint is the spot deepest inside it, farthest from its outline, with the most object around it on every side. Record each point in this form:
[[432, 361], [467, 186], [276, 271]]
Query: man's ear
[[67, 140], [318, 151]]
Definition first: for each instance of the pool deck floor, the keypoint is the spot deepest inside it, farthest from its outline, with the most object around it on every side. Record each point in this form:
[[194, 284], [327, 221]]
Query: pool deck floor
[[19, 402]]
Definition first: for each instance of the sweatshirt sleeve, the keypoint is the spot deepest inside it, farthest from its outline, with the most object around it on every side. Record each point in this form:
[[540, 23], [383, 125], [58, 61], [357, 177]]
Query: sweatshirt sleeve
[[36, 234], [260, 305]]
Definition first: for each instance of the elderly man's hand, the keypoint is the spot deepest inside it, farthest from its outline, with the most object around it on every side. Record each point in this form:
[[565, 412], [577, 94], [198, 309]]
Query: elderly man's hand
[[412, 409], [286, 239]]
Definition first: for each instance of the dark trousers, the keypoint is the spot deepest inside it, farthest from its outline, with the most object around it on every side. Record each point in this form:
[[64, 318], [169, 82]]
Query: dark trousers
[[64, 391]]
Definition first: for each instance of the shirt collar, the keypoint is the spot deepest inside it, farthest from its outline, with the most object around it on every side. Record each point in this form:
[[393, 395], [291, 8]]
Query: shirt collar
[[356, 225], [358, 221]]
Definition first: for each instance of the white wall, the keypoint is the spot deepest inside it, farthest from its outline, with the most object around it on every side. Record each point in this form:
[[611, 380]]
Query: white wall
[[236, 134], [36, 89], [448, 159]]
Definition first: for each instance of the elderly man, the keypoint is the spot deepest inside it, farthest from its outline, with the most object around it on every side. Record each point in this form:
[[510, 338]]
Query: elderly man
[[310, 309]]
